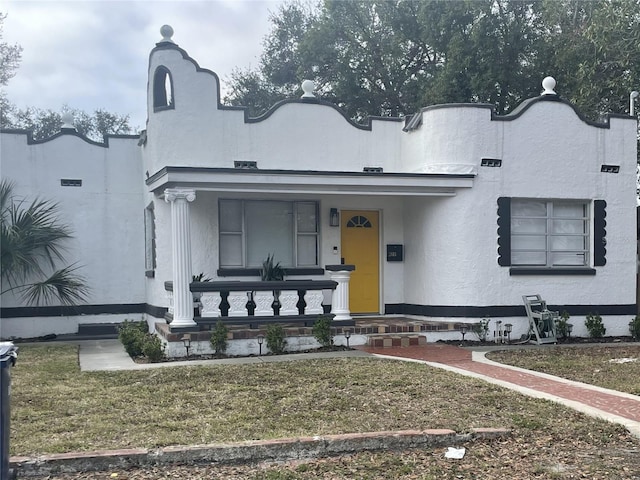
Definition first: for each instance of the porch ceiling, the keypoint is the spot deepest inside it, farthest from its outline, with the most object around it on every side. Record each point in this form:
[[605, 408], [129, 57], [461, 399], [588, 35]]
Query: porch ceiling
[[293, 181]]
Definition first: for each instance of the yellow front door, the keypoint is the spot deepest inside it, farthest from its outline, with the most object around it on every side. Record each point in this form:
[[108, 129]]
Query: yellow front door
[[359, 241]]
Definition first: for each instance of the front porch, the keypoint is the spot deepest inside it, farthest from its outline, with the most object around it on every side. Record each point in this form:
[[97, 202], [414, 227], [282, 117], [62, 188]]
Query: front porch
[[254, 304], [375, 331]]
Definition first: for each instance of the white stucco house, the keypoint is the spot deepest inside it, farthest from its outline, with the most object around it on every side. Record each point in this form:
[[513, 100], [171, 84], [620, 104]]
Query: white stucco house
[[453, 213]]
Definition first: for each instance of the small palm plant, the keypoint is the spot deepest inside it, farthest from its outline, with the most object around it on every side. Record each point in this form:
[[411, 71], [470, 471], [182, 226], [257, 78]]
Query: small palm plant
[[271, 271], [31, 245]]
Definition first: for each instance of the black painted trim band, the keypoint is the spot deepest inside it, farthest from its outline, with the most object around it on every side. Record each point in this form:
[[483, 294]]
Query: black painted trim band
[[255, 272], [258, 285], [501, 310], [73, 311], [157, 312], [340, 268], [551, 271], [70, 311]]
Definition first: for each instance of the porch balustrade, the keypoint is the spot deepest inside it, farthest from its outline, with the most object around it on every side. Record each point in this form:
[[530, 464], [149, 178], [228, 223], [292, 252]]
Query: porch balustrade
[[260, 302]]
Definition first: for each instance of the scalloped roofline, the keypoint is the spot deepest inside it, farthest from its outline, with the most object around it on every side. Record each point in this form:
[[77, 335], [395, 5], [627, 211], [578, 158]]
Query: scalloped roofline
[[276, 106], [517, 112], [67, 131]]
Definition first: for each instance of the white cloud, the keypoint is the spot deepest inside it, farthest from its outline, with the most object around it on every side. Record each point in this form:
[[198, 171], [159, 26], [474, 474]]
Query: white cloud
[[94, 54]]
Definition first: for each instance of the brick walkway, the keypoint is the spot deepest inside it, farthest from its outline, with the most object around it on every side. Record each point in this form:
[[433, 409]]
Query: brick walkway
[[619, 407]]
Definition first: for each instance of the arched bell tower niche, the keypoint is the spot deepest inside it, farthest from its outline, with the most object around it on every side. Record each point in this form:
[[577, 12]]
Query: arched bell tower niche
[[162, 89]]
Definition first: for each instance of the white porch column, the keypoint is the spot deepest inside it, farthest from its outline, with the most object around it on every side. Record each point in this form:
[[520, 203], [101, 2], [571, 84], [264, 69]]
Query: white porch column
[[181, 249], [340, 296]]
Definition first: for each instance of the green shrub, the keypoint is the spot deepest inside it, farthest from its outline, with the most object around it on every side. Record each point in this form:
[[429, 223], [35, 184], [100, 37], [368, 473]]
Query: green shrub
[[152, 348], [276, 342], [219, 338], [322, 330], [634, 328], [132, 335], [562, 325], [594, 325]]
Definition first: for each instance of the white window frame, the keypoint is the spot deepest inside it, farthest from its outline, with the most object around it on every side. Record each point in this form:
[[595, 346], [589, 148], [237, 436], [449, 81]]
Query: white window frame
[[295, 233], [549, 220]]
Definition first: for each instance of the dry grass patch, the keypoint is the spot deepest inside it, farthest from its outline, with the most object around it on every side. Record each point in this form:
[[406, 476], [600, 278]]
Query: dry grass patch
[[57, 408], [613, 367]]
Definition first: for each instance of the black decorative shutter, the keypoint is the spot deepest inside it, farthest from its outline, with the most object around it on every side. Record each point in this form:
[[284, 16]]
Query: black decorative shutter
[[599, 233], [504, 231]]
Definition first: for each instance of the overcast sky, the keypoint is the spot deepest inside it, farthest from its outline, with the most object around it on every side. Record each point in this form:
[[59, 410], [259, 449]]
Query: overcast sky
[[93, 54]]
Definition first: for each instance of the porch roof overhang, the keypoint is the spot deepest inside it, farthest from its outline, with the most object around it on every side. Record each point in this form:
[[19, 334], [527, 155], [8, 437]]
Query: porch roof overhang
[[305, 182]]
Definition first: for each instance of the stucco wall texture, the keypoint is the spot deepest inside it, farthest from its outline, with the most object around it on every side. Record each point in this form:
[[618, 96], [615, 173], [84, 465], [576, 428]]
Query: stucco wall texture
[[547, 149]]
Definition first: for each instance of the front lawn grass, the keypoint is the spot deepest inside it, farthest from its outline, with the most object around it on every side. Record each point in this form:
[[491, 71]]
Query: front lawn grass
[[57, 408], [613, 367]]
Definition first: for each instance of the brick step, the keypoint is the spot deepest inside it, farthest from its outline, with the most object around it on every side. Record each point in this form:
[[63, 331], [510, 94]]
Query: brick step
[[397, 340], [402, 326]]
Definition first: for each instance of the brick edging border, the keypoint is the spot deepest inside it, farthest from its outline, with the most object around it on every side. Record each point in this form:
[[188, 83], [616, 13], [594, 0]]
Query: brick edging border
[[247, 452]]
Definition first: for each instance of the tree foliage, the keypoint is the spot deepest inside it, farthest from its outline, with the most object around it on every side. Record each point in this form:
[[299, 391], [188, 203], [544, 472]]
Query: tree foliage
[[31, 246], [10, 56], [392, 57], [44, 123]]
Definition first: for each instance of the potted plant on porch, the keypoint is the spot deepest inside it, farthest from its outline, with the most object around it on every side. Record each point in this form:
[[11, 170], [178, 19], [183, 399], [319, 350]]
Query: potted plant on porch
[[272, 272]]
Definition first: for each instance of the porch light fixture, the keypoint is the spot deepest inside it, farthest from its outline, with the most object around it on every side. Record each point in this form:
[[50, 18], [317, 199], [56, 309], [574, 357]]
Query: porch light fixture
[[186, 341], [464, 328], [260, 342], [347, 335], [334, 218], [508, 327]]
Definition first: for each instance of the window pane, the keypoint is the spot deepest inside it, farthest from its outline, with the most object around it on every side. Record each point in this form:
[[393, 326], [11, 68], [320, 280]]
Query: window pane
[[230, 250], [307, 250], [568, 226], [529, 242], [573, 259], [528, 258], [528, 225], [269, 231], [569, 210], [568, 242], [307, 218], [230, 216], [528, 208]]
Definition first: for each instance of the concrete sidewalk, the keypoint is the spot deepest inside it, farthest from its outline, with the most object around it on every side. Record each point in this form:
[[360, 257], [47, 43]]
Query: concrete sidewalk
[[100, 355]]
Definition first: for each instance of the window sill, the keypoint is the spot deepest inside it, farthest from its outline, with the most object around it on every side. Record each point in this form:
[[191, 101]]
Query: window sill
[[255, 272], [551, 271], [161, 108]]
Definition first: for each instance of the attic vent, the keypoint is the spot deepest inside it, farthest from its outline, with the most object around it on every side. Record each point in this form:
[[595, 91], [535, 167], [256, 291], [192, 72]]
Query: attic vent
[[69, 182], [372, 169], [491, 162], [610, 169], [245, 164]]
